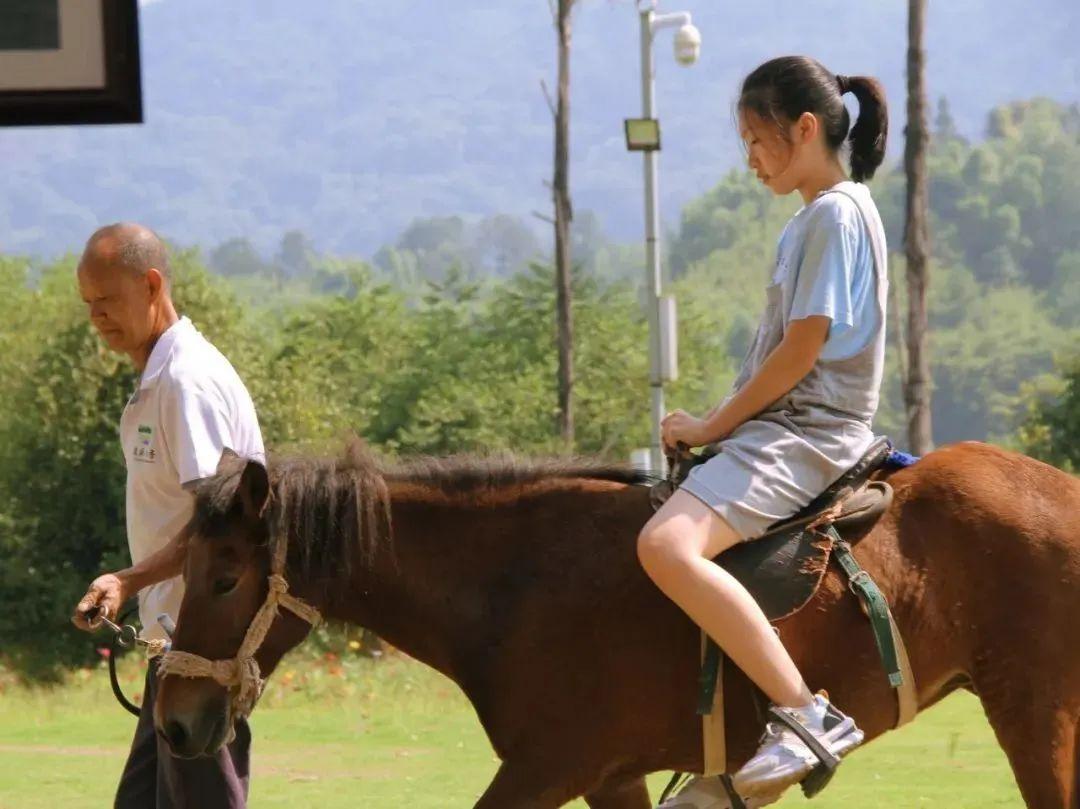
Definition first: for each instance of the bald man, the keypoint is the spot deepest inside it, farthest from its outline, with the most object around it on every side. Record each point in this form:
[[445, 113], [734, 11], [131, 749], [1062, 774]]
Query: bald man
[[188, 407]]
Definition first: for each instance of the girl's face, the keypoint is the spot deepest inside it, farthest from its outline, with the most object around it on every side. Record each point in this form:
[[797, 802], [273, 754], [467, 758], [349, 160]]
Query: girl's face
[[780, 162]]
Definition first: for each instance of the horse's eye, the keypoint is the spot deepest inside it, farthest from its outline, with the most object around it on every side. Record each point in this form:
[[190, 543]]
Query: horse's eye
[[223, 586]]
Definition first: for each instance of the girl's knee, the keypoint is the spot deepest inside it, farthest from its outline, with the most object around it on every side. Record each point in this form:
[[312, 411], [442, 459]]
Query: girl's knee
[[659, 549]]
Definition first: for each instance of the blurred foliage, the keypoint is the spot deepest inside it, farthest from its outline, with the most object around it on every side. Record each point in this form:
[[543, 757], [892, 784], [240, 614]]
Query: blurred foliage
[[1051, 428], [446, 343]]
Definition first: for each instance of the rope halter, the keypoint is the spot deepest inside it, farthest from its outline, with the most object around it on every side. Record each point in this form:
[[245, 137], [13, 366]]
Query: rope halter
[[241, 674]]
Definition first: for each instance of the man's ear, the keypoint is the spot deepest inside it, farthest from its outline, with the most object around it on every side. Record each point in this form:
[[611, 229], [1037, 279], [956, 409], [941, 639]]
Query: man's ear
[[155, 283], [254, 490]]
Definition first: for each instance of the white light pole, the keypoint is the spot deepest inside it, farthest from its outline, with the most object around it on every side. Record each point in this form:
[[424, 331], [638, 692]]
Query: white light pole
[[644, 135]]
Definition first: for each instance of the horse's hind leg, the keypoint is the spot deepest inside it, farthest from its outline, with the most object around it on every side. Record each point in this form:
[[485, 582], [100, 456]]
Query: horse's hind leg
[[1041, 745], [517, 786], [625, 793], [541, 785], [523, 786], [1076, 767]]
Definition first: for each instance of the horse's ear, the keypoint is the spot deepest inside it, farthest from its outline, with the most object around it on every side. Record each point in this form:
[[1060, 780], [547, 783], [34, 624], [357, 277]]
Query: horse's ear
[[254, 490], [228, 458]]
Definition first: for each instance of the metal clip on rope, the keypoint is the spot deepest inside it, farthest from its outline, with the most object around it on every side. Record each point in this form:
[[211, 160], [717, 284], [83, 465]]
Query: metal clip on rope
[[126, 636]]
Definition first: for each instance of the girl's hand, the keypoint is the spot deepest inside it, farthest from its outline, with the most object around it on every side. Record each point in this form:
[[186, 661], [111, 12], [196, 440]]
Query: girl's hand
[[678, 425]]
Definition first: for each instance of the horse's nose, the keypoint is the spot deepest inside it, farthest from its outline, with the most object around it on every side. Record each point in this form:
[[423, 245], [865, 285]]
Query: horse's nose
[[175, 734]]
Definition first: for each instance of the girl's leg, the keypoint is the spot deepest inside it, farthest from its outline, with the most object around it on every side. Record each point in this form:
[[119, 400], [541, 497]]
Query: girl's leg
[[676, 548]]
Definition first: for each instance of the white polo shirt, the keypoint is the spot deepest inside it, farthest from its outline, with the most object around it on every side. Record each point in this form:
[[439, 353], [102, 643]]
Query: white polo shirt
[[189, 406]]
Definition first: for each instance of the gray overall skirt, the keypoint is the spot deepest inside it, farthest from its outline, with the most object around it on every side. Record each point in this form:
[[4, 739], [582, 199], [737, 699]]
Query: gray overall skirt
[[777, 462]]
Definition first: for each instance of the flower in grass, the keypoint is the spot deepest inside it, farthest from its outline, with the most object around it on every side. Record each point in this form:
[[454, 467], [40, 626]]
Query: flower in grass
[[354, 645], [105, 652]]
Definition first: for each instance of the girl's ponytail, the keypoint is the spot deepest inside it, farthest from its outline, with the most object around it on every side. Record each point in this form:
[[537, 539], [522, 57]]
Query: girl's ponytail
[[868, 136]]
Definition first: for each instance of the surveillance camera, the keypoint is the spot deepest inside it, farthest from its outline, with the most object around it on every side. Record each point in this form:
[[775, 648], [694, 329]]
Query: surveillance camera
[[687, 44]]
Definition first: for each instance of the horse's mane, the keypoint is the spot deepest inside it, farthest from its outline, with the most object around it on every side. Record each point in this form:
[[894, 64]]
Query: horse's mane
[[330, 507]]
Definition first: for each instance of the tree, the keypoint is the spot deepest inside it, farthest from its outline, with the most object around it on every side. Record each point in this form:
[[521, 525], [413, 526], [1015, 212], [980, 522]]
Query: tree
[[433, 234], [560, 190], [502, 245], [945, 124], [916, 239], [427, 250], [237, 257], [1051, 431], [296, 256]]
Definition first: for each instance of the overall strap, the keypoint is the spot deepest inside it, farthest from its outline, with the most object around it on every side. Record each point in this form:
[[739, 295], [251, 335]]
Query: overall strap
[[874, 229]]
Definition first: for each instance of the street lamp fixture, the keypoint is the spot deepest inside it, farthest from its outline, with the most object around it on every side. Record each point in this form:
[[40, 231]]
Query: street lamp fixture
[[642, 134]]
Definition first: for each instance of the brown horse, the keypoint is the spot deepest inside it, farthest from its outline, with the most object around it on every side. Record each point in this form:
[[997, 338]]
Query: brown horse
[[520, 583]]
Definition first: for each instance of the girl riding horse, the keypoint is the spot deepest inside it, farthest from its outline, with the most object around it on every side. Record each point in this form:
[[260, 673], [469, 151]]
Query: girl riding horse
[[800, 413]]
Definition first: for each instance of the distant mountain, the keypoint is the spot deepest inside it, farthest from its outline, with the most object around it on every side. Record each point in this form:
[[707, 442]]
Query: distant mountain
[[347, 119]]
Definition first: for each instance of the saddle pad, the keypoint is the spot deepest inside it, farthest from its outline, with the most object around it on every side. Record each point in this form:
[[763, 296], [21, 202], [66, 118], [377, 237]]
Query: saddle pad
[[783, 570]]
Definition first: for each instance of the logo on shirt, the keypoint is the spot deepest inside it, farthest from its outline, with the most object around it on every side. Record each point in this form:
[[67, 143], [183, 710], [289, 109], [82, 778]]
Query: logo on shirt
[[144, 445]]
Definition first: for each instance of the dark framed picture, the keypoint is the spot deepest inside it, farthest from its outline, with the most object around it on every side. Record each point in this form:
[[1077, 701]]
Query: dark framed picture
[[69, 62]]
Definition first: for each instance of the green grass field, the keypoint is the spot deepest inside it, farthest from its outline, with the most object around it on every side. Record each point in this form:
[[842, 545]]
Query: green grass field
[[332, 733]]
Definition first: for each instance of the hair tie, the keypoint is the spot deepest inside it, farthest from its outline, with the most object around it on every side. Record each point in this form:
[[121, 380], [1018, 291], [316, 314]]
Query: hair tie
[[843, 84]]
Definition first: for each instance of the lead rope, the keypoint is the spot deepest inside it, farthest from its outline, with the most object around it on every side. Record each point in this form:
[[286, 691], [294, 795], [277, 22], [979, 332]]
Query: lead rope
[[241, 674]]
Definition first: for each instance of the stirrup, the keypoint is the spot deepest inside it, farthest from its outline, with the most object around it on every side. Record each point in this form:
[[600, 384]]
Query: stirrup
[[817, 779]]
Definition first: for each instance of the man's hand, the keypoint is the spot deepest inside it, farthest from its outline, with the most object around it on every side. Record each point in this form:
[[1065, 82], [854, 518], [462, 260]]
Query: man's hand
[[108, 592], [104, 597]]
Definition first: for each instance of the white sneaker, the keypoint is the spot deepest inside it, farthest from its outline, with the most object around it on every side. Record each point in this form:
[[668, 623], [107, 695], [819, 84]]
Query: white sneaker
[[784, 759], [708, 793]]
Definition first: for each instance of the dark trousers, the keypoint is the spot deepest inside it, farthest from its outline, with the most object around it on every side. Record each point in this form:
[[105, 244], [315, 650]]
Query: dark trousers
[[154, 779]]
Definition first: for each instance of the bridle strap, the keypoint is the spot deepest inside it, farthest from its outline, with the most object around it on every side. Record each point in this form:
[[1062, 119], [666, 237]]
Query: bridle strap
[[241, 674]]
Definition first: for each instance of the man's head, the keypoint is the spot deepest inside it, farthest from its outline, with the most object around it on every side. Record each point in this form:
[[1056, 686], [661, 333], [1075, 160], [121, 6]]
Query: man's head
[[124, 280]]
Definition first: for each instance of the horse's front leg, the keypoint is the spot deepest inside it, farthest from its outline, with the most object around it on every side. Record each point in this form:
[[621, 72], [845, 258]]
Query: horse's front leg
[[540, 785], [620, 793], [1042, 743]]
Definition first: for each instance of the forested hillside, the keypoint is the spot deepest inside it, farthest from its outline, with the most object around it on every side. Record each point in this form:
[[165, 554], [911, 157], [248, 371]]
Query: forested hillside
[[346, 120]]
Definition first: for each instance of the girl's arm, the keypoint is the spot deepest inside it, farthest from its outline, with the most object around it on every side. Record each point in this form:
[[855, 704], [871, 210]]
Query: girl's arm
[[782, 370]]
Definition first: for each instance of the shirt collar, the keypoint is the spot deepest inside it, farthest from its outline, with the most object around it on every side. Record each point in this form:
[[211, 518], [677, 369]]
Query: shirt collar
[[159, 356]]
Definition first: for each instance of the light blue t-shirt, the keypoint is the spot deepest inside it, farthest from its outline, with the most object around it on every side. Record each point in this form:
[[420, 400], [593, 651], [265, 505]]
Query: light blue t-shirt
[[827, 244]]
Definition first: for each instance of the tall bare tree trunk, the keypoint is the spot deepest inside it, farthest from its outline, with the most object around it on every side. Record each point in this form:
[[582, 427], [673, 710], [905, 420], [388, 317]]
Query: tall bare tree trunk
[[563, 215], [916, 238]]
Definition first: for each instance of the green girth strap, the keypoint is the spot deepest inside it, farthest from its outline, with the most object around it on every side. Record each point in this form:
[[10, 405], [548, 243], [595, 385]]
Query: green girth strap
[[710, 671], [877, 609]]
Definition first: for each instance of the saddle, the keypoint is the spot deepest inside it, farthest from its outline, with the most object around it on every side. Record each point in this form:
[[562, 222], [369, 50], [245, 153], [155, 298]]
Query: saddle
[[783, 568]]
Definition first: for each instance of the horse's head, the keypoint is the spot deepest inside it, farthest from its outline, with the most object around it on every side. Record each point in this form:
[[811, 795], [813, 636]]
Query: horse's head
[[226, 579]]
